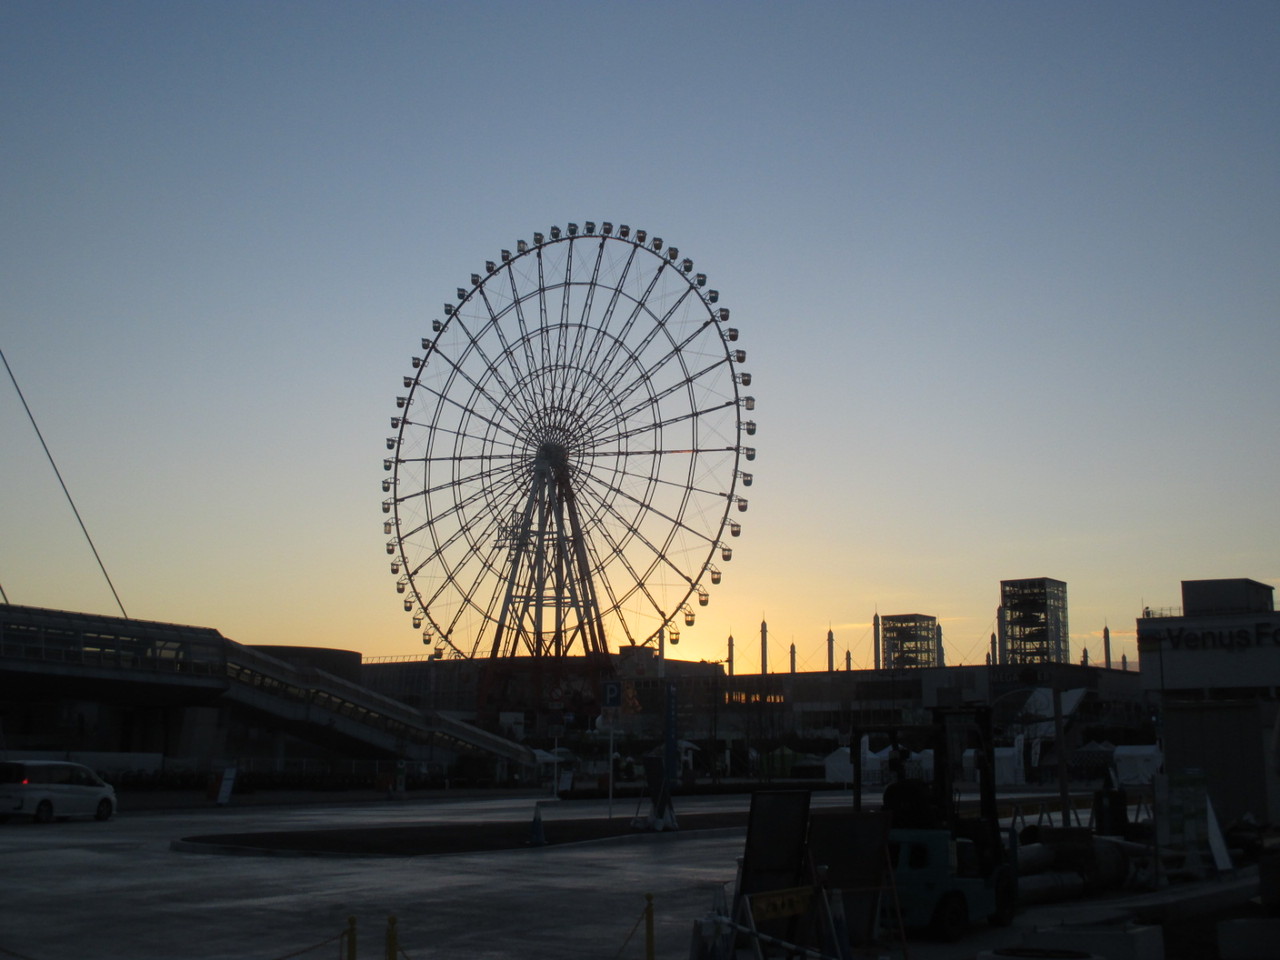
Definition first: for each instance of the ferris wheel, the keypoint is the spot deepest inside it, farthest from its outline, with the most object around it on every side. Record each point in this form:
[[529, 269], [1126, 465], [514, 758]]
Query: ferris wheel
[[568, 451]]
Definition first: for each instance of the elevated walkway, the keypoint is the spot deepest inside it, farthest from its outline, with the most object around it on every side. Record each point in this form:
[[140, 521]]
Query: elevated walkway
[[59, 653]]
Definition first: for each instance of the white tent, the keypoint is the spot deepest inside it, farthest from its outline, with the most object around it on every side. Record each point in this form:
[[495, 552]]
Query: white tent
[[919, 766], [838, 766], [875, 765], [1009, 766], [1137, 765], [1037, 711], [1009, 769]]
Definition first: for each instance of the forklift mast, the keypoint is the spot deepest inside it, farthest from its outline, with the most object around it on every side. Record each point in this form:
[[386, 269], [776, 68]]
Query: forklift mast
[[958, 729]]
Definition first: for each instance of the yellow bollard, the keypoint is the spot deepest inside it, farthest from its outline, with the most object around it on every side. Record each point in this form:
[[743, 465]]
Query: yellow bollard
[[648, 927], [393, 941], [351, 938]]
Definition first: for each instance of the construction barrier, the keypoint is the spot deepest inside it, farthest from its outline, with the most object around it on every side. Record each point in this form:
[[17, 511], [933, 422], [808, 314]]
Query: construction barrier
[[346, 941], [646, 917]]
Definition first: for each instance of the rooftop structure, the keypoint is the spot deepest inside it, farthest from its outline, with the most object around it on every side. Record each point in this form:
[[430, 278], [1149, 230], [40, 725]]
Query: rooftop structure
[[1202, 597], [1214, 669]]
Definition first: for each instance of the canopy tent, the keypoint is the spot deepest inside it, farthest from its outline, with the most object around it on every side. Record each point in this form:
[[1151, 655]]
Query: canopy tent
[[1137, 764]]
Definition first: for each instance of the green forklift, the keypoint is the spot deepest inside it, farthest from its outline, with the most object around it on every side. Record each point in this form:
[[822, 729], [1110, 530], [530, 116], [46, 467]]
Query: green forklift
[[951, 869]]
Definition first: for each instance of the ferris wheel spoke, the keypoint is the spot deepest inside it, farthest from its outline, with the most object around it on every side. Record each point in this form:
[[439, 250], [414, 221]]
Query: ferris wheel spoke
[[599, 573], [467, 411], [658, 425], [438, 432], [457, 481], [431, 522], [470, 413], [517, 304], [457, 507], [715, 496], [587, 363], [682, 482], [646, 374], [565, 289], [677, 522], [649, 375], [475, 344], [652, 401], [584, 321], [459, 458], [679, 484], [627, 453], [624, 332], [641, 581], [446, 629], [517, 394], [452, 568], [659, 557], [617, 465], [484, 476], [615, 602], [451, 571], [646, 508], [543, 325], [660, 326], [476, 584]]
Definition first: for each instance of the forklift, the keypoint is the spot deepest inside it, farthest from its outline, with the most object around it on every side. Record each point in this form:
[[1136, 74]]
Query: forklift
[[949, 870]]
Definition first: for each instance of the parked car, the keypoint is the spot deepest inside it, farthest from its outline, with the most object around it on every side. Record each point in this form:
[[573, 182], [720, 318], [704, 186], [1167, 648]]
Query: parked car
[[45, 790]]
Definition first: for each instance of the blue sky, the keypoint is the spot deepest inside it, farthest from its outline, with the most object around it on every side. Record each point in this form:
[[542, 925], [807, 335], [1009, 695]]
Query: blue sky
[[1005, 272]]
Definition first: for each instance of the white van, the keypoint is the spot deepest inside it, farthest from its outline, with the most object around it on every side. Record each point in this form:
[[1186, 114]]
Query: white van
[[47, 789]]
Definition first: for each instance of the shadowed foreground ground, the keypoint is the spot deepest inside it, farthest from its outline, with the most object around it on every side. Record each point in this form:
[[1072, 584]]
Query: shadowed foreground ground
[[441, 838]]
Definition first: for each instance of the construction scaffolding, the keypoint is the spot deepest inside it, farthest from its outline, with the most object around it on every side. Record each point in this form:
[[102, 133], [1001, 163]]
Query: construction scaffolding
[[1032, 621], [910, 640]]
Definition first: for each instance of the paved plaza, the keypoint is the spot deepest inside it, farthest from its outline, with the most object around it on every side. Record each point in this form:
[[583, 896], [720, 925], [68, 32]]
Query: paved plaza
[[121, 891], [113, 890]]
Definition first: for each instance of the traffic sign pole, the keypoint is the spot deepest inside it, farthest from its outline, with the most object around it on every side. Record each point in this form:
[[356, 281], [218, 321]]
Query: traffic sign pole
[[612, 704]]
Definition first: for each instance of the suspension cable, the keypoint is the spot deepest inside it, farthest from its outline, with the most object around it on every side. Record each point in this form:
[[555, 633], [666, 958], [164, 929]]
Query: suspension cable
[[58, 474]]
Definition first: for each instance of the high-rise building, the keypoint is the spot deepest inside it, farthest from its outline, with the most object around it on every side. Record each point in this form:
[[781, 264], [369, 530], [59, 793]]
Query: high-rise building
[[1032, 621], [909, 640]]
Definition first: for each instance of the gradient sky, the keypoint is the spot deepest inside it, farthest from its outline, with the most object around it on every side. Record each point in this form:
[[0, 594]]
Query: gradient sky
[[1007, 276]]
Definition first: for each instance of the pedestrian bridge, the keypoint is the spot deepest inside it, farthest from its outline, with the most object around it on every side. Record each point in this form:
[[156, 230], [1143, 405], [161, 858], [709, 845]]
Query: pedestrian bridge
[[86, 655]]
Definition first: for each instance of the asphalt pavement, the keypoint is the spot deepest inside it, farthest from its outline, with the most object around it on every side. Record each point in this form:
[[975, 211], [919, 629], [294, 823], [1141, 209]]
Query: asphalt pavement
[[120, 889], [160, 884]]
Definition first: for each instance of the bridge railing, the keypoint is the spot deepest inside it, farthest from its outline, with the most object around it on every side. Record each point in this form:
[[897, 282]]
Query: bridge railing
[[34, 634], [359, 705]]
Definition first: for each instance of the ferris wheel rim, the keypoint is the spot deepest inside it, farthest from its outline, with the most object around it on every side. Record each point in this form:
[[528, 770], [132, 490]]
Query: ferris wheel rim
[[499, 383]]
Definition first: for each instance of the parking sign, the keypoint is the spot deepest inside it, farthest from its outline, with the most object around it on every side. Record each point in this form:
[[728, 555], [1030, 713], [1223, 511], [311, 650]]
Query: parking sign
[[612, 693]]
